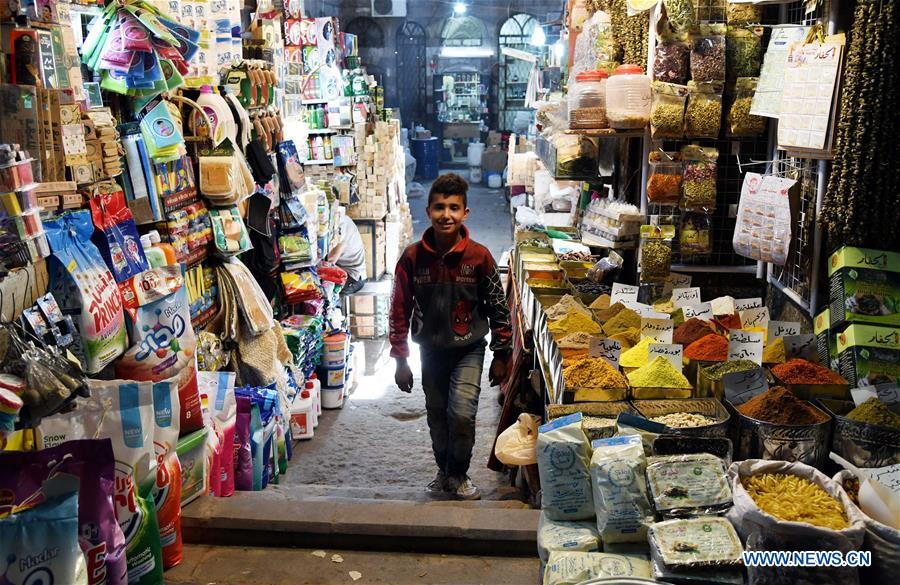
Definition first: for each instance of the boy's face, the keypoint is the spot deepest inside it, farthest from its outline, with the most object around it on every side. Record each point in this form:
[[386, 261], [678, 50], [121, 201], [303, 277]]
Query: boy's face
[[447, 214]]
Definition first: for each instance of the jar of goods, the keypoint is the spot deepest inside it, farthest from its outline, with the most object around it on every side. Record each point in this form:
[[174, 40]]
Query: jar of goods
[[628, 98], [587, 101]]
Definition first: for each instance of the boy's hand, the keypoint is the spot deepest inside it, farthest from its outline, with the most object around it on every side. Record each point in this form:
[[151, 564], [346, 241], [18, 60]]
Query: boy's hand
[[497, 373], [403, 376]]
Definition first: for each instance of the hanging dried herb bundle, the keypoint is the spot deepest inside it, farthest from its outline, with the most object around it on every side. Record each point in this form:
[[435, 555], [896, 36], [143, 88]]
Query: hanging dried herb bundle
[[860, 207], [630, 33]]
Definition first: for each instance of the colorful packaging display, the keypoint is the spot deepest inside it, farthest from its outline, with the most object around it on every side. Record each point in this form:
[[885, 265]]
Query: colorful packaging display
[[167, 487], [120, 244]]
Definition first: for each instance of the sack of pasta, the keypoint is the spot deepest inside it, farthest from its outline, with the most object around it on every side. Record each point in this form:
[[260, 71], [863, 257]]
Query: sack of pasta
[[783, 506], [563, 456]]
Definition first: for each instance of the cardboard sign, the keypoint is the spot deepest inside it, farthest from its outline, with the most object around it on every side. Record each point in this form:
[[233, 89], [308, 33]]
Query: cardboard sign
[[742, 386], [658, 329], [608, 349], [801, 346], [745, 345], [782, 328], [685, 296], [622, 293], [670, 351], [701, 311], [756, 318], [680, 280], [888, 476], [887, 393], [643, 310], [744, 304]]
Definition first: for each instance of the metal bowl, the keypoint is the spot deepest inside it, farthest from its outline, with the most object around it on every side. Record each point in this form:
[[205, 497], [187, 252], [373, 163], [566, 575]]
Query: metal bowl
[[708, 387], [756, 439], [706, 406], [598, 409], [862, 444]]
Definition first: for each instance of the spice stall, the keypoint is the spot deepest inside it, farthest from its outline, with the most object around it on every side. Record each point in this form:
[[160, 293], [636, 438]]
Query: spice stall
[[695, 225]]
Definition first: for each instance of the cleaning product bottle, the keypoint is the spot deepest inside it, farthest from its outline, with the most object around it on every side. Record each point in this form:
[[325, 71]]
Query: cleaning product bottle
[[220, 116], [315, 389], [167, 248], [302, 426], [155, 256]]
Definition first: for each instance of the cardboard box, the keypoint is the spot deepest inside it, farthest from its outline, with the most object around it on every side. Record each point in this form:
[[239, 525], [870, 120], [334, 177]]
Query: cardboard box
[[826, 343], [493, 160], [865, 287], [368, 304], [462, 130], [869, 354]]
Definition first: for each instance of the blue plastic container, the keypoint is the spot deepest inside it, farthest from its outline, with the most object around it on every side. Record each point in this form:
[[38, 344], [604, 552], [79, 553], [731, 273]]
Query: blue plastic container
[[425, 151]]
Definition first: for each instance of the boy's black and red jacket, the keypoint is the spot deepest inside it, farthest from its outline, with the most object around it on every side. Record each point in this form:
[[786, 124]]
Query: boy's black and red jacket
[[448, 300]]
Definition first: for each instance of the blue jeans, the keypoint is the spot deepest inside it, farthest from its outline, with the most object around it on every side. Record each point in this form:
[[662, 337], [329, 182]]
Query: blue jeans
[[451, 379]]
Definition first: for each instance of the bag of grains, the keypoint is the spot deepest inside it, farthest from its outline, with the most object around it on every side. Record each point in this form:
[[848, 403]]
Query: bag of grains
[[698, 185], [740, 121], [703, 118], [882, 540], [786, 506], [656, 252], [681, 14], [667, 110], [620, 490], [708, 53], [743, 52], [554, 535], [688, 485], [695, 235], [563, 456], [672, 60], [742, 13]]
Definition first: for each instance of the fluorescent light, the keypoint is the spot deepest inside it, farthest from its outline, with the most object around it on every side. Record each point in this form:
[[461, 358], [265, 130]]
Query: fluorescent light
[[459, 8], [467, 52], [538, 37], [559, 49]]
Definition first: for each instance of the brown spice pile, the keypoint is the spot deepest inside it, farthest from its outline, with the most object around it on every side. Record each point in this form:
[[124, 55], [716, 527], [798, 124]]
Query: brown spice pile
[[690, 331], [780, 406]]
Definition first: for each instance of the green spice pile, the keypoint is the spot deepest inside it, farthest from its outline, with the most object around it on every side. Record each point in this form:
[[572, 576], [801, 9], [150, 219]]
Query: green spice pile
[[743, 52], [660, 373], [718, 371], [875, 412]]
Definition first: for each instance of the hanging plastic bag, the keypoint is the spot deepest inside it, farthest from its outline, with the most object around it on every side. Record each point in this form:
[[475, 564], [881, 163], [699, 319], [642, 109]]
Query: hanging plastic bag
[[516, 445], [740, 121], [672, 61], [708, 53], [119, 244], [664, 183], [667, 111], [229, 232], [703, 118], [698, 185]]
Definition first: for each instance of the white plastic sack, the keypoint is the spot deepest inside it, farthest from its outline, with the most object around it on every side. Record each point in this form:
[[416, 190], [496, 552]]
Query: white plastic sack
[[578, 536], [762, 531], [563, 456], [883, 541], [571, 568], [527, 216], [620, 489], [516, 445]]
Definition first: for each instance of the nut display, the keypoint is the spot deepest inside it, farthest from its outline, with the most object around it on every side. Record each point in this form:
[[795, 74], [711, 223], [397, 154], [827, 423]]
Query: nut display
[[684, 420]]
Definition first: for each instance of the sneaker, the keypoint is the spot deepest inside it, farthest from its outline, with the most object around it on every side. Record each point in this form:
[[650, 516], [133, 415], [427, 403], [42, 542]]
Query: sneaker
[[464, 489], [438, 485]]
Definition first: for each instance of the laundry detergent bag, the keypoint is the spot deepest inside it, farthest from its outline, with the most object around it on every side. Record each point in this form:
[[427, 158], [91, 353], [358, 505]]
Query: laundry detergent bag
[[86, 290], [167, 487]]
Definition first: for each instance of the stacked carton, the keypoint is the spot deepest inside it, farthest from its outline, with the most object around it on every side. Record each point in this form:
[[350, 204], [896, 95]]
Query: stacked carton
[[380, 169]]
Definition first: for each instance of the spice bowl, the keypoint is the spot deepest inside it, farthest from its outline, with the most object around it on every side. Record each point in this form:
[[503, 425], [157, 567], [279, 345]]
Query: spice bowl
[[710, 387], [862, 444], [576, 269], [706, 406], [655, 393], [810, 391], [604, 410], [548, 301], [756, 439], [691, 369]]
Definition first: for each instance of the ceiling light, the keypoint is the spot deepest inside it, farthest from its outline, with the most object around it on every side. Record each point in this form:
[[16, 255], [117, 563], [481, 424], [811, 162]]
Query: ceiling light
[[459, 8], [467, 52], [559, 49], [538, 37]]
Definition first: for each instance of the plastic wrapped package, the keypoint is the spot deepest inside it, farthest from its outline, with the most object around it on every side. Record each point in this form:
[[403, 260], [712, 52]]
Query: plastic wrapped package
[[692, 543], [620, 490], [672, 60], [698, 186], [664, 182], [687, 485], [703, 118], [708, 53], [743, 52], [695, 234], [656, 252], [572, 568], [740, 121], [742, 13], [667, 110], [553, 536], [563, 455], [681, 14]]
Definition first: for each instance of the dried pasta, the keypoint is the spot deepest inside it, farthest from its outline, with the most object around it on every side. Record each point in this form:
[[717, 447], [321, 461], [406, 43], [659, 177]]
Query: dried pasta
[[795, 499]]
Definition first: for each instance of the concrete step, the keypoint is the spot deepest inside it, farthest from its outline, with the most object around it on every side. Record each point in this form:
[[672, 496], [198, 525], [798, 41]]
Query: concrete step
[[395, 494], [283, 517]]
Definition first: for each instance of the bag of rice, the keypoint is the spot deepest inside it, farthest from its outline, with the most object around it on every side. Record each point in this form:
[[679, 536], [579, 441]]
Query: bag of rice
[[563, 456], [786, 506], [620, 490], [571, 568], [566, 536]]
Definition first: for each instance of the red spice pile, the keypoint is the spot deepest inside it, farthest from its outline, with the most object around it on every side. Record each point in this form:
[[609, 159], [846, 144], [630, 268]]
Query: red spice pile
[[729, 322], [800, 371], [690, 331], [780, 406], [709, 348]]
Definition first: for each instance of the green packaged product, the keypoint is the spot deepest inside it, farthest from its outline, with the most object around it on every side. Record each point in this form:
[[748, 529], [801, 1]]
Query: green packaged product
[[865, 286], [869, 354]]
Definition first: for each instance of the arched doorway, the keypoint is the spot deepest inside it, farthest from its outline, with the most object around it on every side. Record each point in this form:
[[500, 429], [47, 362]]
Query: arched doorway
[[512, 78], [411, 72]]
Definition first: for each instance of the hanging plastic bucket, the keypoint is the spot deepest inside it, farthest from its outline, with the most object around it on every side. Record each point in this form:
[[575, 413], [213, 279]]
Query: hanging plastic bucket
[[332, 397], [335, 351]]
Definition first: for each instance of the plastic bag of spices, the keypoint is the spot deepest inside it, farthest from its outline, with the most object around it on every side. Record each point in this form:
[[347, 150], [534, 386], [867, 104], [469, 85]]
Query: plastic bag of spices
[[743, 51], [667, 110], [703, 118], [656, 252], [698, 186], [740, 121], [672, 61], [742, 13], [708, 53], [681, 15], [695, 235], [664, 183]]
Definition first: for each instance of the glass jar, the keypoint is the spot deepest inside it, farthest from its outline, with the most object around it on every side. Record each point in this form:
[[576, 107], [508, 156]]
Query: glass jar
[[587, 101], [628, 98]]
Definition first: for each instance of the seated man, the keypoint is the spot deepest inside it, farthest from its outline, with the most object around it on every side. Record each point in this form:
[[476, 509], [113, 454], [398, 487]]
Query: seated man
[[349, 255]]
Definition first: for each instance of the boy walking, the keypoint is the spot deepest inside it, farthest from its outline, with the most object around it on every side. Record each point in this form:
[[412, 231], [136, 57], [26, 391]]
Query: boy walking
[[447, 290]]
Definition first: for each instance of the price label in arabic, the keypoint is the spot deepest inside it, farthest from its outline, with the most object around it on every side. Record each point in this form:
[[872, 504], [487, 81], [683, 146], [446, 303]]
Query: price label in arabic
[[782, 328], [685, 296], [623, 292], [801, 346], [744, 304], [670, 351], [608, 349], [887, 393], [742, 386], [757, 317], [888, 476], [658, 329], [745, 345], [700, 311], [679, 280]]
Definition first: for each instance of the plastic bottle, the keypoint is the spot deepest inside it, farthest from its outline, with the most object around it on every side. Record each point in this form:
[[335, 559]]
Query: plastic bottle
[[302, 425], [328, 151], [155, 256], [315, 388], [319, 148], [220, 116], [168, 250]]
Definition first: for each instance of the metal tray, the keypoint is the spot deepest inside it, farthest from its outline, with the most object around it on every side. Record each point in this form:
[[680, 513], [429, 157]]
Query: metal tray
[[862, 444], [706, 406]]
